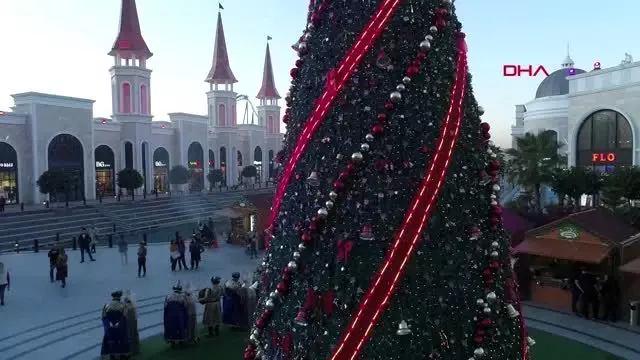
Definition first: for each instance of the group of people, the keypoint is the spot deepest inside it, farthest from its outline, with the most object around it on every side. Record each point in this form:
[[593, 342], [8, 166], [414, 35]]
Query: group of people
[[587, 291], [230, 304], [58, 264], [178, 248]]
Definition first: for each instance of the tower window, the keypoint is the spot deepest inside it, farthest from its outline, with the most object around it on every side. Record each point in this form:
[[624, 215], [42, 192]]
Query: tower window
[[144, 102], [270, 127], [126, 98], [234, 115], [222, 115]]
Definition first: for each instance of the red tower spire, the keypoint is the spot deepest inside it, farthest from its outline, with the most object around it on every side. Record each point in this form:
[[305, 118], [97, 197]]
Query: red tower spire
[[268, 89], [220, 72], [129, 42]]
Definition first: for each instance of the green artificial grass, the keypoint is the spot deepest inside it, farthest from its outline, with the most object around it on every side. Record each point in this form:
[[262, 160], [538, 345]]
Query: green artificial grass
[[230, 345]]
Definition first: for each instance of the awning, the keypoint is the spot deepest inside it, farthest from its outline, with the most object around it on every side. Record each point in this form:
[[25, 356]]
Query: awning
[[564, 249], [632, 267]]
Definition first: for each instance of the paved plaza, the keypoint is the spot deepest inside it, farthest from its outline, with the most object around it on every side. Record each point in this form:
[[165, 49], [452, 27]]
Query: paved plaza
[[41, 320], [44, 321]]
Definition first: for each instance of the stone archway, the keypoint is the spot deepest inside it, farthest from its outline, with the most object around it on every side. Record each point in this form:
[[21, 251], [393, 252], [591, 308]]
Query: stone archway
[[604, 141], [9, 175], [195, 159], [105, 171]]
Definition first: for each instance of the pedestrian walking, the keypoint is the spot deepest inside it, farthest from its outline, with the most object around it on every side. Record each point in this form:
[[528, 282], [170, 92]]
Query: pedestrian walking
[[53, 254], [5, 282], [84, 241], [94, 238], [195, 250], [62, 268], [123, 248], [142, 260], [173, 254], [182, 249]]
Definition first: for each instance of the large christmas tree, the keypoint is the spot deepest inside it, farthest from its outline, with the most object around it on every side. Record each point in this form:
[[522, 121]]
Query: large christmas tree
[[387, 240]]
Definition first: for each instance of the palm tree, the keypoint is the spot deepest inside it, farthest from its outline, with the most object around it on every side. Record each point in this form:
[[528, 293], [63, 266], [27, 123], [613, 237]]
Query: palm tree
[[533, 162]]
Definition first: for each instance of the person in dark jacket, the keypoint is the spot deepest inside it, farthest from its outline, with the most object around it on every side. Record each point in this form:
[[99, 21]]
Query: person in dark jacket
[[195, 249], [53, 258], [142, 259], [84, 241], [182, 249], [611, 296]]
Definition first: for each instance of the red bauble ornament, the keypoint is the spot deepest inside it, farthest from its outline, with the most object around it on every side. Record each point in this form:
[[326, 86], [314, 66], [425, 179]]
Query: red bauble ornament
[[494, 265], [344, 175], [496, 210], [412, 71], [285, 118], [441, 12], [494, 164], [440, 23], [485, 127], [381, 117], [478, 339], [421, 56], [294, 73], [282, 287], [306, 237], [298, 63], [486, 136], [313, 226], [494, 227], [260, 323], [494, 172], [495, 220], [315, 19], [487, 273], [351, 167], [377, 129], [338, 185], [388, 105]]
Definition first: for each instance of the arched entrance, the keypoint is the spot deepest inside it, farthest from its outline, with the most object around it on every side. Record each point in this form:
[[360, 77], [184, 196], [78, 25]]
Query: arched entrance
[[105, 171], [9, 174], [223, 164], [239, 165], [257, 162], [144, 152], [212, 160], [161, 168], [65, 153], [195, 157], [605, 141], [271, 156]]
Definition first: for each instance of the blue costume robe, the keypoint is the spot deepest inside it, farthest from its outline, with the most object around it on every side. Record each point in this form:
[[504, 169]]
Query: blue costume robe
[[233, 311], [116, 338], [176, 319]]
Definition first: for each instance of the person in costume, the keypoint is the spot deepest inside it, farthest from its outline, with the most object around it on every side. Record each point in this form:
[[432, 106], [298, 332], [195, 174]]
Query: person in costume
[[176, 317], [250, 301], [192, 326], [232, 302], [115, 342], [132, 323], [212, 316], [62, 267]]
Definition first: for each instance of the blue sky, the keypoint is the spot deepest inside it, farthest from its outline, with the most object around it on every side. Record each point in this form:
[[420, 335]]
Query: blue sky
[[60, 46]]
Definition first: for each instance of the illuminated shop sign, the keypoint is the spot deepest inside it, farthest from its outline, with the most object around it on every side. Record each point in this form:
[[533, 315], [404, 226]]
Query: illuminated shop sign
[[195, 164], [159, 164], [102, 165], [603, 157], [7, 165]]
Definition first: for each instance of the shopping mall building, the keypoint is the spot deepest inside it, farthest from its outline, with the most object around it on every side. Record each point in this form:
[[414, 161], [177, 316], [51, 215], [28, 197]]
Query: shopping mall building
[[44, 131], [595, 114]]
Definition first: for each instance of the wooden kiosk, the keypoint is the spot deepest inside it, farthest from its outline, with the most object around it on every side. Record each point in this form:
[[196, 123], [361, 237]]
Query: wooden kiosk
[[240, 219], [594, 240], [630, 286]]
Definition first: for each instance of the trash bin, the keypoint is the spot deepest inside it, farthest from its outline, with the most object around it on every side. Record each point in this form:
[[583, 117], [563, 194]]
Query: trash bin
[[633, 312]]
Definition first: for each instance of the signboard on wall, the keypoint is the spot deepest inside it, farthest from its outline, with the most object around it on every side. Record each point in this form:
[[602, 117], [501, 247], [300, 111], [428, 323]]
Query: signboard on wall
[[159, 164], [601, 157], [569, 232], [7, 165], [195, 164], [102, 165]]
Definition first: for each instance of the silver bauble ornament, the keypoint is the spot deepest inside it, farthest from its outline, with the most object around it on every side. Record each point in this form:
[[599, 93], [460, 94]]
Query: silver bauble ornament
[[433, 29], [480, 302], [356, 156], [329, 204], [425, 45], [395, 97], [270, 304], [333, 195], [480, 110], [478, 353], [369, 137], [494, 254], [292, 265], [364, 147], [495, 245], [401, 87], [296, 255], [492, 296], [406, 80], [323, 213]]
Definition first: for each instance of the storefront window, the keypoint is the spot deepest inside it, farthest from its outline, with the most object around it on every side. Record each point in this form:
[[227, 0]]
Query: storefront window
[[8, 173], [195, 157], [105, 171], [161, 170], [605, 142]]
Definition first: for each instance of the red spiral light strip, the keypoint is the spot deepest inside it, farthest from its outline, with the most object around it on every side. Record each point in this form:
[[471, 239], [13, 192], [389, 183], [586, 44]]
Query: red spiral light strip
[[386, 280], [340, 76]]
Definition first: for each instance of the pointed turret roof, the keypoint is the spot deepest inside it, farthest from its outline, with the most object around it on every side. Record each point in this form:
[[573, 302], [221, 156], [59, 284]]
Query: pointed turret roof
[[220, 72], [268, 89], [129, 41]]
